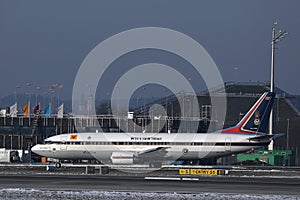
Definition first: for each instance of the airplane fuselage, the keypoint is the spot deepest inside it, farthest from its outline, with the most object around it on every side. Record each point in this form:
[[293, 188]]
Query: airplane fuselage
[[106, 146]]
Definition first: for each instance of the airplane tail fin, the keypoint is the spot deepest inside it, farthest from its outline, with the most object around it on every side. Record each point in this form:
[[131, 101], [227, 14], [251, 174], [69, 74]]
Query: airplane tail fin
[[256, 120]]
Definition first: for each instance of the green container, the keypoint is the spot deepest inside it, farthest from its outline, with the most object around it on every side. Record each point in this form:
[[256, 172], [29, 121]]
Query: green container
[[275, 157]]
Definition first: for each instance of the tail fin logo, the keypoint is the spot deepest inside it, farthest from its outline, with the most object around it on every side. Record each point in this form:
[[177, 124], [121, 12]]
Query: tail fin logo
[[256, 119]]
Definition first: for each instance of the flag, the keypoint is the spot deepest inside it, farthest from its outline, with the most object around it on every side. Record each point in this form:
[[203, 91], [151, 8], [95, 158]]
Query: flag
[[36, 109], [47, 111], [60, 111], [13, 110], [26, 109]]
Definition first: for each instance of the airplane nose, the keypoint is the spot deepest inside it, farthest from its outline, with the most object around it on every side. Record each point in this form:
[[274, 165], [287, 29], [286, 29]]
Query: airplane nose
[[35, 149]]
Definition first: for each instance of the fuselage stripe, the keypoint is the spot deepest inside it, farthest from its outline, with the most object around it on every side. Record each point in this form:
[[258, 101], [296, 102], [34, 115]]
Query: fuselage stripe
[[166, 143]]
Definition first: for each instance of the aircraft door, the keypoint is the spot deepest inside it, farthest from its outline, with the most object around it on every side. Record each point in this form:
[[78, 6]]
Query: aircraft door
[[63, 146], [227, 144]]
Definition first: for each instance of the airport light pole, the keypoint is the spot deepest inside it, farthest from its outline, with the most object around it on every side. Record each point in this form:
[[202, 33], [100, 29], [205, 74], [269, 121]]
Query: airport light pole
[[287, 133], [235, 74], [137, 102], [276, 36], [166, 91], [59, 95], [144, 93]]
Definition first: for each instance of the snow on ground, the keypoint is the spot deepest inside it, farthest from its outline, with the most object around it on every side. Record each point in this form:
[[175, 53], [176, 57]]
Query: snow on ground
[[30, 194]]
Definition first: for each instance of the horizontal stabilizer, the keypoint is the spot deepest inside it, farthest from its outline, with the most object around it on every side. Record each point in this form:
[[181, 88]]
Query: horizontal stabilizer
[[266, 137]]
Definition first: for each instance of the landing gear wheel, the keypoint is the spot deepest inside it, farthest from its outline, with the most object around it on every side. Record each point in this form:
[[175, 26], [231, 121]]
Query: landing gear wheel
[[58, 165]]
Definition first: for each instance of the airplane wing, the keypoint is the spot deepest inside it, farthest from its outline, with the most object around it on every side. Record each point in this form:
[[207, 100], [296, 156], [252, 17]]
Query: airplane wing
[[157, 153], [151, 150], [265, 137]]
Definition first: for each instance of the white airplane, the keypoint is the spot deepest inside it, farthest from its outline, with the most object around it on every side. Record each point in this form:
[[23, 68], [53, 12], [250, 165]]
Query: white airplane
[[155, 148]]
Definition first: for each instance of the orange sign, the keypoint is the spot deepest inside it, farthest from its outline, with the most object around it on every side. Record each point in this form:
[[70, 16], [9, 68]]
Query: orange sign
[[73, 137]]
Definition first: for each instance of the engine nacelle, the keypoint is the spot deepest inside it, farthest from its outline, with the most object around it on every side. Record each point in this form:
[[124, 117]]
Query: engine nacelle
[[122, 157]]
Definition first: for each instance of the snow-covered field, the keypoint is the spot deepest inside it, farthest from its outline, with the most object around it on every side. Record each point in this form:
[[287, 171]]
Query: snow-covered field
[[82, 195]]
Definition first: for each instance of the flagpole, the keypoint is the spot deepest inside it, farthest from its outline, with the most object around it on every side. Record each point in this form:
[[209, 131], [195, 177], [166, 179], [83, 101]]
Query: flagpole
[[17, 88], [29, 112]]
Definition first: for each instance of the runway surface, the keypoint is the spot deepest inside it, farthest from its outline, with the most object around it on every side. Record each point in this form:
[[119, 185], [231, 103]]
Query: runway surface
[[232, 185]]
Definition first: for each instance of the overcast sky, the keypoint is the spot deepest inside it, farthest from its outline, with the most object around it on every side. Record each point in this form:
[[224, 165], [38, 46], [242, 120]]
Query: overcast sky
[[45, 42]]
